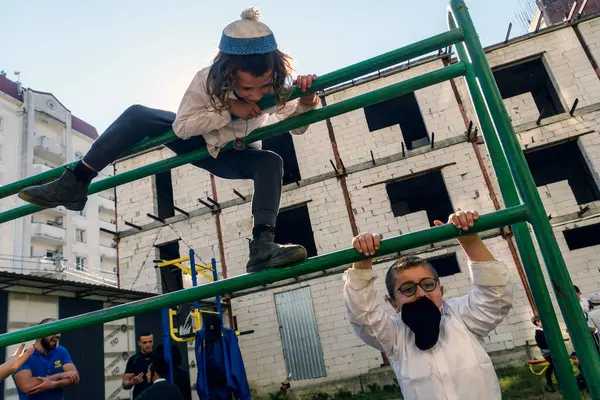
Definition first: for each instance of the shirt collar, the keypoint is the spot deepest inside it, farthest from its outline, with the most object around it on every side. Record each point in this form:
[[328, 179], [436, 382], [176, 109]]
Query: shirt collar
[[40, 353], [537, 328], [160, 380]]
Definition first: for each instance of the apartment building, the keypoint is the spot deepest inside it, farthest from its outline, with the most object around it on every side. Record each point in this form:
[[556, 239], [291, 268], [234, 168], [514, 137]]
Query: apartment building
[[38, 133]]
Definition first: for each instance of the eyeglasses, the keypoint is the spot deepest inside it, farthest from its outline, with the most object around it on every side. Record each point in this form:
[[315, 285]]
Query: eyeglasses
[[410, 288]]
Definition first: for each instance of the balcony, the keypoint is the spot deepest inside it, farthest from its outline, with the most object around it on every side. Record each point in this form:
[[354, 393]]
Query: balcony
[[49, 149], [108, 251], [46, 265], [49, 213], [108, 194], [108, 224], [39, 169], [106, 204], [51, 234]]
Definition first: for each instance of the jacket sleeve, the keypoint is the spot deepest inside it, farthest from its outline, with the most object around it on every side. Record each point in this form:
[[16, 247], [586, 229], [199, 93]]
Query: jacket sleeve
[[485, 306], [238, 370], [595, 318], [540, 339], [293, 108], [201, 379], [195, 115], [373, 325]]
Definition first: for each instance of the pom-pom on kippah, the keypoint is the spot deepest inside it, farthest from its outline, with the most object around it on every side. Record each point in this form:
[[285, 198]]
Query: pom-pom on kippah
[[247, 35], [251, 13]]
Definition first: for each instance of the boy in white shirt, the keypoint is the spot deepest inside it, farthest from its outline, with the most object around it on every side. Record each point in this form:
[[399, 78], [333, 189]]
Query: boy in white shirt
[[434, 346]]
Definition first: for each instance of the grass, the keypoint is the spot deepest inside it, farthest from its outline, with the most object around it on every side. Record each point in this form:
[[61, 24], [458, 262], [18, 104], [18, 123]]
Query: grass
[[517, 383]]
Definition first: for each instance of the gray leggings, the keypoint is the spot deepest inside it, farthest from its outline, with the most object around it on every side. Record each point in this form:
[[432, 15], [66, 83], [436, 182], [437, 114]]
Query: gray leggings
[[264, 167]]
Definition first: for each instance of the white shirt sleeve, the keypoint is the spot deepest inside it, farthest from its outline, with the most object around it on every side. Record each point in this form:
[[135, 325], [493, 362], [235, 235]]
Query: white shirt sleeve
[[485, 306], [293, 108], [373, 325], [195, 115], [594, 318]]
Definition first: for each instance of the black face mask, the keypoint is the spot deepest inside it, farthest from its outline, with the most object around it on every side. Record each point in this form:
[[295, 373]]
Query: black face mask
[[423, 318]]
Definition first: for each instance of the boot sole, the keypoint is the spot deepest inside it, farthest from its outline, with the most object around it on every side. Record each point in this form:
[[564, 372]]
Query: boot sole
[[73, 206], [279, 262]]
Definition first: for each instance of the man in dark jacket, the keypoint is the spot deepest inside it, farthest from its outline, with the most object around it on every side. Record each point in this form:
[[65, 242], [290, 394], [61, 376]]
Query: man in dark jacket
[[160, 389], [181, 377]]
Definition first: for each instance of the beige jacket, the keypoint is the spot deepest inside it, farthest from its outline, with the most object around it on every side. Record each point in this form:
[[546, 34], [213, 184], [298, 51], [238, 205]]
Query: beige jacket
[[196, 117]]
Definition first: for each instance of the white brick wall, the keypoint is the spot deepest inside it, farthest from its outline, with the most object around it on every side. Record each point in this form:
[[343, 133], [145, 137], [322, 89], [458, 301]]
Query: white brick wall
[[189, 184], [327, 213], [136, 199], [589, 31], [464, 183], [563, 55], [440, 111], [558, 198], [313, 151], [344, 354], [521, 108]]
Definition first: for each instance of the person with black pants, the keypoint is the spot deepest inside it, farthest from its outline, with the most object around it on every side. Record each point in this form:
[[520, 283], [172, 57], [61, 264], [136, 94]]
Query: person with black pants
[[541, 342], [219, 107]]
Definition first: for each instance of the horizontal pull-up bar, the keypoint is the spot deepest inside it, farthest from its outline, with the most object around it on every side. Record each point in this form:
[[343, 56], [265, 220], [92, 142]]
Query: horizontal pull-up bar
[[323, 82], [228, 286], [377, 63], [355, 103]]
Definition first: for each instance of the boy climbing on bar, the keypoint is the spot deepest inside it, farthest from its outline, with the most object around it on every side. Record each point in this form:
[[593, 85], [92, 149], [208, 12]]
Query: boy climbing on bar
[[434, 346], [248, 66]]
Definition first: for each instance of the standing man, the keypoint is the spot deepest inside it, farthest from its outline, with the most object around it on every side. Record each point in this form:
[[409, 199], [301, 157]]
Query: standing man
[[582, 301], [47, 371], [137, 365]]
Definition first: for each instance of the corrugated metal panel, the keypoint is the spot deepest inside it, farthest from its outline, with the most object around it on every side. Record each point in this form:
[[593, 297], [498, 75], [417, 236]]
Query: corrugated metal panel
[[299, 334]]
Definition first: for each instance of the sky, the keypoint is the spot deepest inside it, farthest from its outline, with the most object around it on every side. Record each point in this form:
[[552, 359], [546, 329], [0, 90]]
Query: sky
[[99, 57]]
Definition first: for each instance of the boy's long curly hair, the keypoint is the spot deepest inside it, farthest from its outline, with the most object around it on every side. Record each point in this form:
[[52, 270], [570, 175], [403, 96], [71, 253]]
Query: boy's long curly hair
[[222, 75]]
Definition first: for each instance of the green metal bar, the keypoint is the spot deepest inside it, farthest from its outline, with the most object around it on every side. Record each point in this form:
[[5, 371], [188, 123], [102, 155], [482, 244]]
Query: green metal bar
[[376, 96], [377, 63], [241, 282], [535, 277], [348, 73], [555, 264]]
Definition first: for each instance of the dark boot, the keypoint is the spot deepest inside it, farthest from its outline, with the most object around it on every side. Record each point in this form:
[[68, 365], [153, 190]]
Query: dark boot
[[265, 253], [65, 191]]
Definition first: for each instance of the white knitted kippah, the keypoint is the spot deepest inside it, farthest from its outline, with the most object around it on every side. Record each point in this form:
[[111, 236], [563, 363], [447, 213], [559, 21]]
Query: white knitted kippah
[[256, 37]]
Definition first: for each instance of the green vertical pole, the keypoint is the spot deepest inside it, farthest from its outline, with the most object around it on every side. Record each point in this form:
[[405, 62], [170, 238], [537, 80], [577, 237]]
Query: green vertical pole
[[535, 277], [555, 264]]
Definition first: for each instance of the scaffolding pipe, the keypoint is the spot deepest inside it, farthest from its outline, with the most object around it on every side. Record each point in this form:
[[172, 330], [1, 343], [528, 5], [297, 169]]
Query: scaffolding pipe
[[334, 78], [229, 286], [376, 96]]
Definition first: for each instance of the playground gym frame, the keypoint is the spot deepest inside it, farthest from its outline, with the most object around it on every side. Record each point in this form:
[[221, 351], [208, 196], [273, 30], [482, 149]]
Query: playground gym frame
[[517, 186]]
